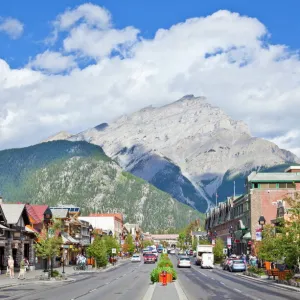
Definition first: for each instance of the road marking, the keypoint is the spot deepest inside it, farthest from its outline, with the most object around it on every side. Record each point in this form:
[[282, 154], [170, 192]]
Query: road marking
[[92, 290], [238, 290], [212, 278], [222, 283], [180, 292], [150, 291]]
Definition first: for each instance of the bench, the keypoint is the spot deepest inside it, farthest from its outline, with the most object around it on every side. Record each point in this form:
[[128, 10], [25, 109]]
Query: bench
[[282, 275], [273, 272]]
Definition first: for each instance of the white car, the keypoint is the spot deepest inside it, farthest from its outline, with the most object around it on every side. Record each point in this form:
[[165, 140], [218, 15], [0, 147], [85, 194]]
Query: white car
[[172, 251], [136, 258], [184, 261]]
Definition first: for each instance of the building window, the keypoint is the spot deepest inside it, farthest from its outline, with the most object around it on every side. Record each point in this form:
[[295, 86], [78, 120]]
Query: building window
[[255, 185], [272, 185], [290, 185], [264, 185]]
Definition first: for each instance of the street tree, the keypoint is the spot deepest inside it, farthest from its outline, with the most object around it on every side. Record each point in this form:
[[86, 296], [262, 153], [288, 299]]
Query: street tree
[[129, 244], [111, 243], [98, 251], [195, 243], [181, 240], [49, 242], [218, 250]]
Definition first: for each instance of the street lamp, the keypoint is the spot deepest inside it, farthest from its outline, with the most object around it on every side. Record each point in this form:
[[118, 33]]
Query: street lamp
[[231, 236], [262, 221], [90, 231]]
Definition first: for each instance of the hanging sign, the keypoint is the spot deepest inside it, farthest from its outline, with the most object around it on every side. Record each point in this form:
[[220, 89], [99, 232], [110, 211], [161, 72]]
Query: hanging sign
[[258, 235], [229, 241]]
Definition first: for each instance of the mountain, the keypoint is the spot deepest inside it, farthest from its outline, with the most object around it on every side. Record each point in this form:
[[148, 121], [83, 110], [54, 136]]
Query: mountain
[[189, 149], [79, 173]]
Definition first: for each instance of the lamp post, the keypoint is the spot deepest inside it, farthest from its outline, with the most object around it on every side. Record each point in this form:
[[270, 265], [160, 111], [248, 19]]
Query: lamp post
[[231, 236], [262, 222]]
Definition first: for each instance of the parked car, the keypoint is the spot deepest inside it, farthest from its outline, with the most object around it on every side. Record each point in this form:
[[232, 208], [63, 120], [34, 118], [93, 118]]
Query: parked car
[[149, 258], [184, 261], [136, 258], [172, 251], [237, 265]]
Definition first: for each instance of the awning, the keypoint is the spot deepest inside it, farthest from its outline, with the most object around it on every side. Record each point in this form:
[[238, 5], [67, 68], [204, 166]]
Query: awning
[[247, 236], [28, 229], [68, 239]]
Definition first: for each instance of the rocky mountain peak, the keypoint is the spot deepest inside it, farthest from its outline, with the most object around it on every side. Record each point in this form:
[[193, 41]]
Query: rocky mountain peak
[[62, 135]]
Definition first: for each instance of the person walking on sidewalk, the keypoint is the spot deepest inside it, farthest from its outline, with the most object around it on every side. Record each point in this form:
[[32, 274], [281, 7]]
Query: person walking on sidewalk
[[22, 269], [11, 265]]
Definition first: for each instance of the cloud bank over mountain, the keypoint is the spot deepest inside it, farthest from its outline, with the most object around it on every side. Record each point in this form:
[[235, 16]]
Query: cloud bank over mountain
[[94, 72]]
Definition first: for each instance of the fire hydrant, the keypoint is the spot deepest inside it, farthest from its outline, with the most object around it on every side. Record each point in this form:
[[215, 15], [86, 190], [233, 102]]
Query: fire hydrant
[[164, 277]]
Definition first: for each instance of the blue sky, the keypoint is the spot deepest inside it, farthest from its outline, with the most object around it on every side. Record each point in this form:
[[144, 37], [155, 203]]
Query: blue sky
[[280, 17], [109, 58]]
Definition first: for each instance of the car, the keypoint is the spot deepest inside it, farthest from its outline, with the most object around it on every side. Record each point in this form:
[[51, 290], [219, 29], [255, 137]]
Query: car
[[155, 253], [135, 258], [237, 265], [184, 261], [149, 258], [172, 251]]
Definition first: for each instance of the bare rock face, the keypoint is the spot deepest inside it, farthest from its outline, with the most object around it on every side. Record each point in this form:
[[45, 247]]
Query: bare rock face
[[185, 148], [62, 135]]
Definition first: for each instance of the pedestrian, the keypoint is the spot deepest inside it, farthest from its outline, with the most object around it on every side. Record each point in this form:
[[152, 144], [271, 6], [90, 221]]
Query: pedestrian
[[22, 269], [11, 265]]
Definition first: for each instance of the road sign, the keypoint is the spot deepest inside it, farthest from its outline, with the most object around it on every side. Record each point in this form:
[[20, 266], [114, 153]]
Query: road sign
[[165, 251], [113, 250]]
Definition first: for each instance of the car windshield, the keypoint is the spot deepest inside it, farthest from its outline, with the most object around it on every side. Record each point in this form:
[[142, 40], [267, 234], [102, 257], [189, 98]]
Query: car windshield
[[184, 258], [148, 254], [238, 261], [135, 255]]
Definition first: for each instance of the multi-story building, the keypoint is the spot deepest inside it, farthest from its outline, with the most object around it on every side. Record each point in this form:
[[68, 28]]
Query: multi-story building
[[236, 219], [107, 223]]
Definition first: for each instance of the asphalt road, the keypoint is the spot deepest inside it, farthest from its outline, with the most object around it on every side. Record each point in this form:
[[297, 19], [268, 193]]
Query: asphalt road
[[217, 284], [129, 281]]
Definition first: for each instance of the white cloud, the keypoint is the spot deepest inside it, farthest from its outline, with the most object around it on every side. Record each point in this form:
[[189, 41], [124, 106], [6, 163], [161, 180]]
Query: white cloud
[[52, 62], [13, 27], [221, 56]]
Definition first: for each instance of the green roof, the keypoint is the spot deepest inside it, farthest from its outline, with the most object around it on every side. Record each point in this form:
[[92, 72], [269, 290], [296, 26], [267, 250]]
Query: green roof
[[274, 177]]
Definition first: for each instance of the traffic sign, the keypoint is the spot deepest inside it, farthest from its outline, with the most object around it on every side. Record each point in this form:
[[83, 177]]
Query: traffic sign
[[113, 250]]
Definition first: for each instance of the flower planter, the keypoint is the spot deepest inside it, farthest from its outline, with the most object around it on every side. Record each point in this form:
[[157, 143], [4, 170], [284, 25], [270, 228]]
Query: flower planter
[[169, 278]]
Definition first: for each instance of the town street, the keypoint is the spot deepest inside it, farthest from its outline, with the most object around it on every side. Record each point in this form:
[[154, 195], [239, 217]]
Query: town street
[[218, 284], [131, 281]]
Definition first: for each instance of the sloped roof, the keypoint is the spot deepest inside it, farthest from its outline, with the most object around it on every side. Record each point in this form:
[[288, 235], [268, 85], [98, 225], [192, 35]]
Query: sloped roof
[[272, 177], [12, 212], [60, 213], [40, 210], [116, 215]]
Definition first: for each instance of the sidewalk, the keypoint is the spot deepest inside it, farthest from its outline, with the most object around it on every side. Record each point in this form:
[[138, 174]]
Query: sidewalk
[[33, 276]]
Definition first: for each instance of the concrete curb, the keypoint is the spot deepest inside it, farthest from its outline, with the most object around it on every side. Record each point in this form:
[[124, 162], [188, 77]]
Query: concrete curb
[[277, 285], [150, 291]]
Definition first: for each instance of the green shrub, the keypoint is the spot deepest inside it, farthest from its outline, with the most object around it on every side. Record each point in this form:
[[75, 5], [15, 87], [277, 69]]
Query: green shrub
[[154, 275], [165, 263], [55, 273], [256, 270]]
